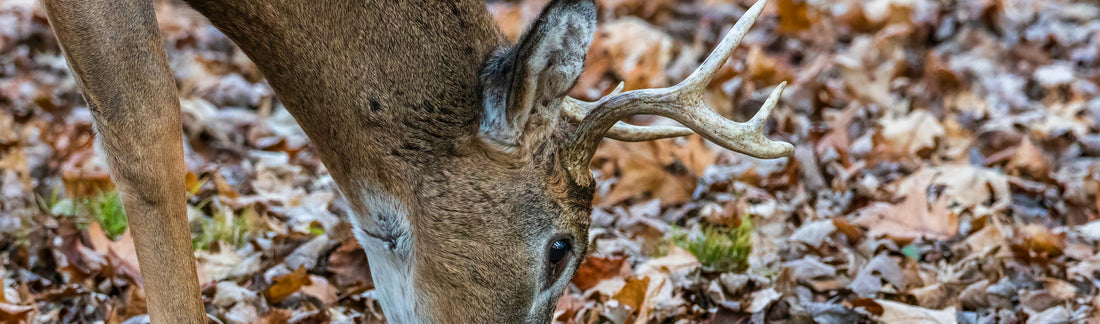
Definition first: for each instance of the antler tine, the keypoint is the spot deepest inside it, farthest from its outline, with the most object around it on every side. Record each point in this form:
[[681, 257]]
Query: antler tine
[[576, 109], [684, 103]]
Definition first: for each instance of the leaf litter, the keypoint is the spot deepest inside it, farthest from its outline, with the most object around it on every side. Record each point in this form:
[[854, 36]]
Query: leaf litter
[[947, 171]]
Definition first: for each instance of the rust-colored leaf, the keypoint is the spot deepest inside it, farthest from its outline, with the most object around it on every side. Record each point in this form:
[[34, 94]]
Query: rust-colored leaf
[[595, 269], [633, 293], [285, 285]]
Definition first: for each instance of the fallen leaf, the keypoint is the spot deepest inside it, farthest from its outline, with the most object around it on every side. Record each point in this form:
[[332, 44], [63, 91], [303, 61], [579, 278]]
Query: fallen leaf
[[1034, 242], [761, 299], [1030, 161], [678, 260], [320, 288], [123, 249], [910, 136], [349, 265], [793, 16], [229, 293], [895, 312], [645, 174], [1090, 230], [596, 269], [285, 285], [633, 293], [883, 268], [814, 233], [913, 217], [10, 313]]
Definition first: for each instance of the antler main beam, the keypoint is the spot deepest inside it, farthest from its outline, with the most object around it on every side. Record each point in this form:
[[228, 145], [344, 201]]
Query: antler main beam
[[684, 103], [576, 110]]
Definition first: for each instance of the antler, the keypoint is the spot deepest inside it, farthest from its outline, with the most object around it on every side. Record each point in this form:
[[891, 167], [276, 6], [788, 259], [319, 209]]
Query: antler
[[576, 110], [684, 103]]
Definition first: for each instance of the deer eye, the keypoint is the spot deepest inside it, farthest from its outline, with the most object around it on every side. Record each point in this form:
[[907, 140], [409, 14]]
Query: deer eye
[[559, 249], [556, 252]]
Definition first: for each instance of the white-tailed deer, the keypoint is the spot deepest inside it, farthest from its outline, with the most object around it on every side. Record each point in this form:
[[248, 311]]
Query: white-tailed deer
[[463, 160]]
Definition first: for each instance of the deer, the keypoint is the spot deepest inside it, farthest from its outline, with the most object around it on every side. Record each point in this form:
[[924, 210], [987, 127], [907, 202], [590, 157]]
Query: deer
[[463, 159]]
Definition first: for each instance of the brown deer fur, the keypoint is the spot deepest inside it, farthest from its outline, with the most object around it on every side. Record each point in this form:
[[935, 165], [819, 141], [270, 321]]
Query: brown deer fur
[[391, 94], [450, 145]]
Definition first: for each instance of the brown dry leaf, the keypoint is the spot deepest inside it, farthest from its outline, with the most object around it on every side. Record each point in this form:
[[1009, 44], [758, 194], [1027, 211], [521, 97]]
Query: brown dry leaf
[[596, 269], [871, 86], [285, 285], [696, 156], [1030, 161], [85, 174], [910, 136], [640, 8], [633, 293], [122, 250], [899, 313], [761, 299], [867, 304], [838, 138], [989, 237], [278, 316], [349, 264], [643, 169], [793, 16], [567, 308], [678, 260], [913, 217], [1034, 242], [967, 187], [224, 188], [632, 49], [320, 288], [1085, 269], [15, 161], [216, 266], [513, 18], [765, 68], [883, 268], [10, 313], [1054, 292]]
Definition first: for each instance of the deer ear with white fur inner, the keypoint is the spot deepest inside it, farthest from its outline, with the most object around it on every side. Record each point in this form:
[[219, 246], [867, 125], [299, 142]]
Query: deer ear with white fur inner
[[525, 84]]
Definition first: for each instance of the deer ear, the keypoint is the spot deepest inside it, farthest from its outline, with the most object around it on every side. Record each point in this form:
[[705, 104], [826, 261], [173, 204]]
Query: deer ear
[[524, 84]]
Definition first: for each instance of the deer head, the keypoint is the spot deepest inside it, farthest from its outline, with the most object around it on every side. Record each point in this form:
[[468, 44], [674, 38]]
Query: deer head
[[496, 231], [463, 160]]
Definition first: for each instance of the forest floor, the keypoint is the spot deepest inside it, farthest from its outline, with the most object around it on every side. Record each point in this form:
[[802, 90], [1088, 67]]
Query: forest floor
[[947, 170]]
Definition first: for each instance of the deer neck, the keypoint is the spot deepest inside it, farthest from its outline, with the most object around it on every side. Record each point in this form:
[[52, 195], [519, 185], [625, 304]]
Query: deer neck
[[376, 85]]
